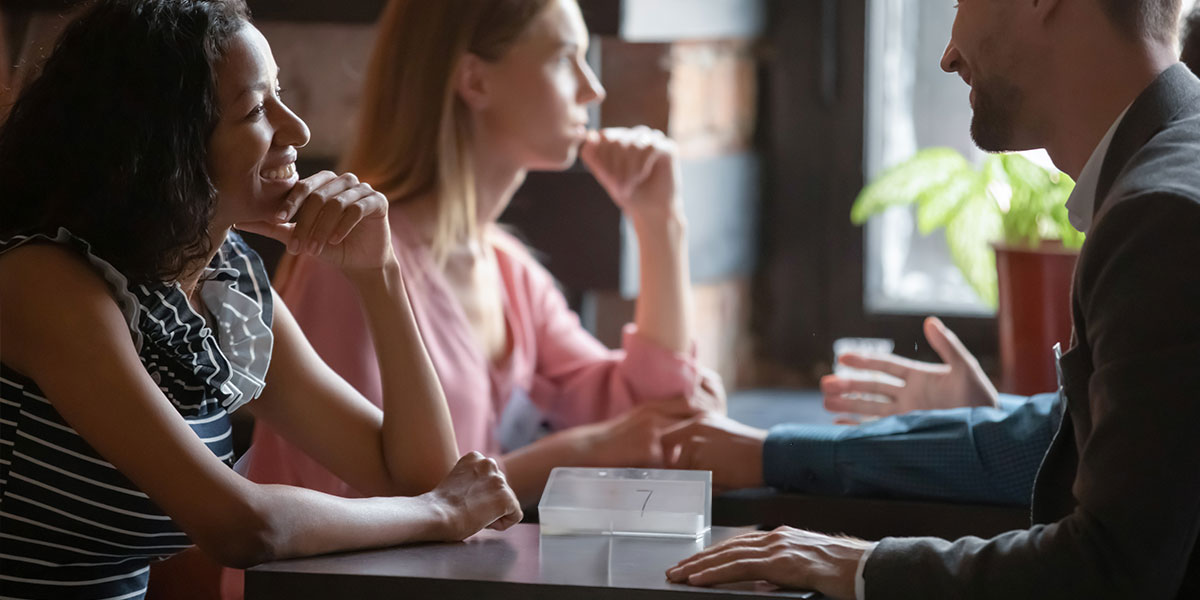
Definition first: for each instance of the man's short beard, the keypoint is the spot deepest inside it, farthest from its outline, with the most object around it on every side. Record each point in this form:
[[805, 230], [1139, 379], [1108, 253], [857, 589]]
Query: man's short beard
[[994, 122]]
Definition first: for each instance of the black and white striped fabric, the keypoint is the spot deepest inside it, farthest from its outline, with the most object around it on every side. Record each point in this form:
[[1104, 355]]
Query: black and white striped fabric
[[71, 525]]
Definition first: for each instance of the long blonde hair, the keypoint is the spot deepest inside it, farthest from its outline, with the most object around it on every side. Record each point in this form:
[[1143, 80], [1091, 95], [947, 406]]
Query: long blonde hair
[[414, 132]]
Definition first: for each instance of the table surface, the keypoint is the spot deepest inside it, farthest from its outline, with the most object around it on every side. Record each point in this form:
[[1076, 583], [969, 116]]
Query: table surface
[[518, 563], [765, 408], [521, 563]]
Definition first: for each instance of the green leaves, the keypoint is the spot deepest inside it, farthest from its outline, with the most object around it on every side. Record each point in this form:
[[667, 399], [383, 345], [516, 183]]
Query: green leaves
[[907, 181], [967, 236], [1008, 198], [937, 207], [1037, 210]]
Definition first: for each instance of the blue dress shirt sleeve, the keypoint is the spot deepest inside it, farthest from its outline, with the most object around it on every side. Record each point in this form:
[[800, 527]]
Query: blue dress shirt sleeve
[[979, 455]]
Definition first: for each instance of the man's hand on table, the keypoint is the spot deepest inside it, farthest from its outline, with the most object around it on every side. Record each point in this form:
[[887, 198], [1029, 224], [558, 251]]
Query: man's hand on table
[[789, 558]]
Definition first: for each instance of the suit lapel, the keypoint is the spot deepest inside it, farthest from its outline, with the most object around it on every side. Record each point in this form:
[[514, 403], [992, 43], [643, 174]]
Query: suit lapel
[[1175, 90]]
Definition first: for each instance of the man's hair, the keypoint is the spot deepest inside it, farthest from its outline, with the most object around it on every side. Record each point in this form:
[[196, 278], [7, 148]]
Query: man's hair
[[1191, 41], [111, 140], [1156, 20]]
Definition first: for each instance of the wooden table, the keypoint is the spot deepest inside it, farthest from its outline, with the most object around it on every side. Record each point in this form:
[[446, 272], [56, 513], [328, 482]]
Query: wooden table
[[523, 564], [519, 563]]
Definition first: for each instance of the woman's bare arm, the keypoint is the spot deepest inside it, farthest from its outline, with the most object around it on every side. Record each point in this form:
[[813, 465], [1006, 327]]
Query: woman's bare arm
[[409, 446]]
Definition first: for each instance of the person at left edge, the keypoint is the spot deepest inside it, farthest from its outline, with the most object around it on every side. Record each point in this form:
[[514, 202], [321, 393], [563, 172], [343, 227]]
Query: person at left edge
[[135, 320]]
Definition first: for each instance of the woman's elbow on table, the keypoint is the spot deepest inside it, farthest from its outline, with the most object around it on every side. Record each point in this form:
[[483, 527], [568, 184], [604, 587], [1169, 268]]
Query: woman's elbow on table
[[243, 536]]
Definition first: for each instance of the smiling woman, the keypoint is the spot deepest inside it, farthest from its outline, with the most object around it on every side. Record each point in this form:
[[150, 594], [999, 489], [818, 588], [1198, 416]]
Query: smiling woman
[[252, 150], [136, 320]]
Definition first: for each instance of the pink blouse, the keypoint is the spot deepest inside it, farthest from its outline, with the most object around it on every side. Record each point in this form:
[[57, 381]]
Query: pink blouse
[[556, 372]]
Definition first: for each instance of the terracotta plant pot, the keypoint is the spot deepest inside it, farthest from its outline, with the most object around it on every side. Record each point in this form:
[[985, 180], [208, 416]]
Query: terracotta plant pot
[[1034, 313]]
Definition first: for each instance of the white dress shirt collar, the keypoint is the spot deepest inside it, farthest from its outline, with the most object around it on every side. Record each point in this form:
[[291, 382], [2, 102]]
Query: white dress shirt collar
[[1082, 202]]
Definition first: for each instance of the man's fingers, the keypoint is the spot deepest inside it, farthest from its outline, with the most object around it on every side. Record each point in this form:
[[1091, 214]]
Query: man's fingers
[[896, 366], [681, 432], [945, 342], [752, 539], [745, 569], [742, 548], [660, 423], [860, 406], [841, 386], [833, 385], [682, 454]]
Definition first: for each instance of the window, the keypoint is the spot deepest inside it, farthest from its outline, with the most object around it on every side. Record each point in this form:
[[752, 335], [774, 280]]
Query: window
[[912, 104], [851, 87]]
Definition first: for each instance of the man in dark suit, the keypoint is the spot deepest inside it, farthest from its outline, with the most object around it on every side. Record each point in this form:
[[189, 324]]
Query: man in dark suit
[[1116, 506]]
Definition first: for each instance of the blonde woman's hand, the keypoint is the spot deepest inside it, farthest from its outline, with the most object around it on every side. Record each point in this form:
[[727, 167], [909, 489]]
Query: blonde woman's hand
[[472, 497], [336, 217], [638, 167]]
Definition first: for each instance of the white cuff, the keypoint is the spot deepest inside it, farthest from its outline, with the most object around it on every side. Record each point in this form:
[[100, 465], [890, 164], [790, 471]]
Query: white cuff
[[860, 584]]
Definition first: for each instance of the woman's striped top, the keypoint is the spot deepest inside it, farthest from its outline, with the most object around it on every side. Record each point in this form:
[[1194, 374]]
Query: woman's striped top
[[71, 525]]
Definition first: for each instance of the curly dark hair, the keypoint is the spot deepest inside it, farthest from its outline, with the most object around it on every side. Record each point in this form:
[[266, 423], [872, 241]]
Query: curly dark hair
[[1144, 19], [111, 140]]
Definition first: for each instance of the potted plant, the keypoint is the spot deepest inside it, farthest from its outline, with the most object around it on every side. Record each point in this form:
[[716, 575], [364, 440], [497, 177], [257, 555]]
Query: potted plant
[[1007, 230]]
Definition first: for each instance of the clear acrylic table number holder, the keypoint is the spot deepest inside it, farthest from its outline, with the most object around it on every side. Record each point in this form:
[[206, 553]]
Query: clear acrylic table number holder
[[641, 502]]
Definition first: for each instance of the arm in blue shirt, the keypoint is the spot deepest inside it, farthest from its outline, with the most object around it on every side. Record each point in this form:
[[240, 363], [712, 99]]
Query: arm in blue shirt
[[985, 455]]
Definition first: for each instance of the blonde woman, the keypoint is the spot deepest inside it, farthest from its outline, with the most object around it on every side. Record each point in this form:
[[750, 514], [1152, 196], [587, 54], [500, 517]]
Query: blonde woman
[[462, 99]]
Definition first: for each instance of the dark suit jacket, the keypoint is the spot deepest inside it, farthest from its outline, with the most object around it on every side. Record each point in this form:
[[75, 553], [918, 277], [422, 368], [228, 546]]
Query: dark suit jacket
[[1116, 506]]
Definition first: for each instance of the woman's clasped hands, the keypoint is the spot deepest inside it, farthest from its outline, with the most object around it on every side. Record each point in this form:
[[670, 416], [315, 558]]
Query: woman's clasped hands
[[336, 217]]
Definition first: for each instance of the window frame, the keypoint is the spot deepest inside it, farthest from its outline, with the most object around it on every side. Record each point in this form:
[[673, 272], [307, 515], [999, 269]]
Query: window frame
[[811, 288]]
